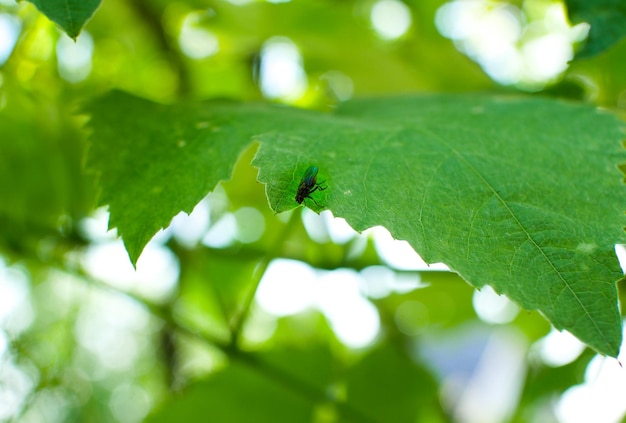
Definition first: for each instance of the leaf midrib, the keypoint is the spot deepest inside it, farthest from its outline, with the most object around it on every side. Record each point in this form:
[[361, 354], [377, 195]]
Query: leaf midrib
[[522, 227]]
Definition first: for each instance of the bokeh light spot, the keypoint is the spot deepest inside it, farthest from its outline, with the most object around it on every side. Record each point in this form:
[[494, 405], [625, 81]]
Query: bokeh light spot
[[222, 233], [196, 41], [559, 348], [287, 287], [10, 27], [390, 18], [250, 224], [74, 58], [493, 308], [282, 75], [353, 318], [600, 399], [513, 47]]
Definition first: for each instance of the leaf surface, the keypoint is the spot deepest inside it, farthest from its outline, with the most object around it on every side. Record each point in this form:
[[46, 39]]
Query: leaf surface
[[522, 194], [71, 15]]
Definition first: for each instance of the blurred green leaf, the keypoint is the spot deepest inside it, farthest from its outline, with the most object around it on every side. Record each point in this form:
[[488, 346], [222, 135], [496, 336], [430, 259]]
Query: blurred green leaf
[[402, 391], [239, 393], [445, 302], [483, 184], [290, 384], [312, 365], [606, 17], [44, 191], [71, 15]]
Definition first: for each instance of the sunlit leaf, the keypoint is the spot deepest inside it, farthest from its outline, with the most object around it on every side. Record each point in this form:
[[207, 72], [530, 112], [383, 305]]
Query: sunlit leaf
[[522, 194]]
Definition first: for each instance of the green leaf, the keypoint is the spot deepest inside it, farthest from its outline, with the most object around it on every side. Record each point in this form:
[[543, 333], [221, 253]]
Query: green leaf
[[239, 393], [402, 388], [157, 160], [606, 18], [71, 15], [44, 192], [522, 194]]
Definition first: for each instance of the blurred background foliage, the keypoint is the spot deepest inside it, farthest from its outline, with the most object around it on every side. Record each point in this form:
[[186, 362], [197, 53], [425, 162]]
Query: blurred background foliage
[[235, 314]]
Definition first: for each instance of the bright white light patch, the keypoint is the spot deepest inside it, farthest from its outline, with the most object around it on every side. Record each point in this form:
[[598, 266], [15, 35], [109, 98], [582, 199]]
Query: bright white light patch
[[399, 254], [600, 399], [109, 327], [377, 281], [10, 27], [493, 308], [95, 227], [188, 229], [4, 344], [287, 288], [339, 230], [620, 252], [391, 18], [13, 292], [315, 226], [559, 348], [222, 233], [547, 56], [16, 313], [325, 227], [509, 47], [354, 320], [74, 58], [281, 74], [155, 277], [16, 386], [493, 392], [130, 403], [250, 224]]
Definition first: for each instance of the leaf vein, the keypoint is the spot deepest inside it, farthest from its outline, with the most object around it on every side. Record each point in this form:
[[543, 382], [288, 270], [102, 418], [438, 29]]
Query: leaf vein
[[530, 238]]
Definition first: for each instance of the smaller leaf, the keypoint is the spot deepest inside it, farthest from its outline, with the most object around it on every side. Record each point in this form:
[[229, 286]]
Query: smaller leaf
[[71, 15]]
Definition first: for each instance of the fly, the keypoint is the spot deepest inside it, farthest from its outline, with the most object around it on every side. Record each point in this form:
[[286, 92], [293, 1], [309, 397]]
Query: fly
[[308, 185]]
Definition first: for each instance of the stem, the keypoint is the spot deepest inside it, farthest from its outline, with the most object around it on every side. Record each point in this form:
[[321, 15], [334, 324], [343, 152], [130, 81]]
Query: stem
[[271, 253]]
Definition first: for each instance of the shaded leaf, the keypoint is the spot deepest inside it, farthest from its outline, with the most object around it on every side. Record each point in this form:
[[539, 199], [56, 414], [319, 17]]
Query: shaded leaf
[[606, 18], [43, 191]]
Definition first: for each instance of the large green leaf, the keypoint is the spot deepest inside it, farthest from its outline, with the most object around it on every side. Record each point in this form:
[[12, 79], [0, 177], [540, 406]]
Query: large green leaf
[[606, 18], [71, 15], [522, 194]]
